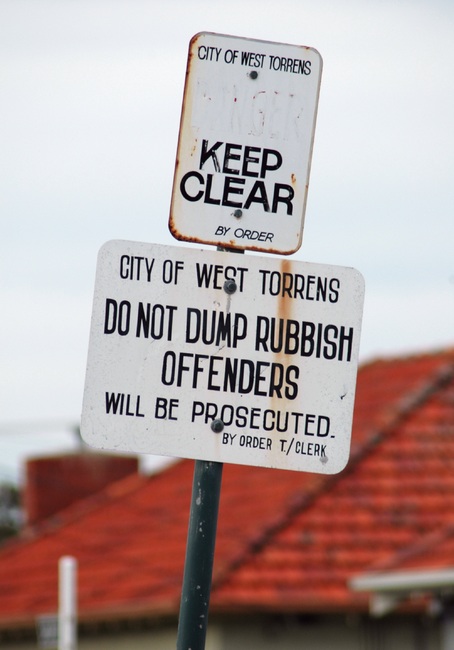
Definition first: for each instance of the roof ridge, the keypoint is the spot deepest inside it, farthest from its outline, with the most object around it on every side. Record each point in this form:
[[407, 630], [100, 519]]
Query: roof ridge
[[404, 407], [419, 547], [323, 483], [71, 513], [409, 356], [269, 529]]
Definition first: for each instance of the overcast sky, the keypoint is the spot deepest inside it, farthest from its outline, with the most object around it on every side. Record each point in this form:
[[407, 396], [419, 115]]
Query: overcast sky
[[90, 100]]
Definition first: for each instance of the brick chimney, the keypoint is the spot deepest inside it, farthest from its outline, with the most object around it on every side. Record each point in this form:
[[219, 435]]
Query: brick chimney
[[53, 483]]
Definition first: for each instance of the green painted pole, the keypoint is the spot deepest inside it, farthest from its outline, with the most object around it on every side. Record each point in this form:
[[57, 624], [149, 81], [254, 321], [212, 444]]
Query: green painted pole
[[198, 569]]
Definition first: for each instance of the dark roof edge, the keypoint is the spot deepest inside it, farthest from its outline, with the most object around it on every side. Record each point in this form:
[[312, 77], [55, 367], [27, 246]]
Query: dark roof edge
[[70, 514]]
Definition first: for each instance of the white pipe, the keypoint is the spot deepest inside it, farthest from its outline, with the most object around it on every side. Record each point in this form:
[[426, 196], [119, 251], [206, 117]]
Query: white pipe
[[404, 581], [67, 603]]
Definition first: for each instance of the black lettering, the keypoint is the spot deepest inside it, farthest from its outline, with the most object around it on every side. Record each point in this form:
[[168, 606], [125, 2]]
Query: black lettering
[[160, 411], [292, 374], [307, 338], [326, 421], [230, 374], [319, 340], [193, 335], [321, 288], [143, 320], [310, 419], [203, 274], [150, 322], [276, 338], [168, 368], [206, 154], [113, 401], [260, 378], [208, 198], [181, 367], [120, 404], [124, 267], [258, 195], [264, 274], [287, 284], [275, 283], [267, 164], [310, 284], [241, 416], [245, 58], [283, 194], [239, 329], [197, 369], [208, 333], [183, 189], [246, 376], [345, 337], [292, 329], [229, 188], [262, 333], [124, 317], [224, 329], [212, 373], [299, 286], [110, 316], [228, 155], [248, 159], [334, 286], [330, 348], [282, 421], [276, 380]]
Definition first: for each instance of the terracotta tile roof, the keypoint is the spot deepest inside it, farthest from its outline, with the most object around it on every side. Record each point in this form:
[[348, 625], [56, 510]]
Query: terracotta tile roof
[[398, 485], [286, 541], [434, 551]]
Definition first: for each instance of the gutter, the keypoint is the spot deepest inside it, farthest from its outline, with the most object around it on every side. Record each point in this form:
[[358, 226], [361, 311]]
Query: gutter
[[390, 589]]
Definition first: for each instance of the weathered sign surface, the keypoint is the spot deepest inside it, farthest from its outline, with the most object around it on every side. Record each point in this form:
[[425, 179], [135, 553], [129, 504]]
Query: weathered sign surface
[[245, 143], [222, 357]]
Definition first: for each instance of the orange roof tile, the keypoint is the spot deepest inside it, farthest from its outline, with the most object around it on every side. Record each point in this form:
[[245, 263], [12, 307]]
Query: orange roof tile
[[286, 541]]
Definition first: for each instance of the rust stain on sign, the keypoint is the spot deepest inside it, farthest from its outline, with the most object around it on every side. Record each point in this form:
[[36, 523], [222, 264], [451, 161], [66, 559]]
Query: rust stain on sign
[[283, 313], [284, 303]]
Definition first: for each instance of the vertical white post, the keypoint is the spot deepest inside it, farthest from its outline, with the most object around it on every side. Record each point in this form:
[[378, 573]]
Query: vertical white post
[[67, 603]]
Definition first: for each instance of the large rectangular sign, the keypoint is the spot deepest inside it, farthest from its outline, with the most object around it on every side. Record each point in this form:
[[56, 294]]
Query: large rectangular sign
[[245, 144], [222, 357]]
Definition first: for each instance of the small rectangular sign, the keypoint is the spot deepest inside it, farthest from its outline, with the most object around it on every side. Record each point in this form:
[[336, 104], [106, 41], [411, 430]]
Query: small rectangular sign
[[47, 631], [245, 144], [222, 357]]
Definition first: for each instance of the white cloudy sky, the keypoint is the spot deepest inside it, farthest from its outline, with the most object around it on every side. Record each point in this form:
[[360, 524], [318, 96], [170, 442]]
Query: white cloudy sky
[[90, 98]]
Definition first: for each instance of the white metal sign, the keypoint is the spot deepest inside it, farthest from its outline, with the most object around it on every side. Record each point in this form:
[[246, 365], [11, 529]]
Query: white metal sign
[[222, 357], [245, 145]]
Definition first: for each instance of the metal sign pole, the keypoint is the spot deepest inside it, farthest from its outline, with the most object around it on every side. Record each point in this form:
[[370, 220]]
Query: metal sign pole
[[195, 596], [203, 520]]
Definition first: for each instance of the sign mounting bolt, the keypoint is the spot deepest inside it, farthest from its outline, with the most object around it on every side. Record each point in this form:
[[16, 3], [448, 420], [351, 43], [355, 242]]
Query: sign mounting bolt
[[238, 213], [253, 74], [217, 426], [230, 286]]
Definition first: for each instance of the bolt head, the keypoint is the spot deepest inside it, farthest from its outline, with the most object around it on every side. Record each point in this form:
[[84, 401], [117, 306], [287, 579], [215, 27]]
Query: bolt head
[[217, 426], [230, 286]]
